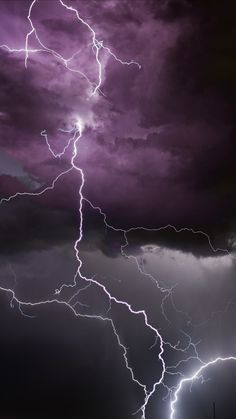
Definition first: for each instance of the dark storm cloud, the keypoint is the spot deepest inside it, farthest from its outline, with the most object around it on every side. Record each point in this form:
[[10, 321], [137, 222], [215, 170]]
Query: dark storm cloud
[[31, 223], [185, 174], [27, 106], [169, 138], [28, 226], [160, 185], [157, 148]]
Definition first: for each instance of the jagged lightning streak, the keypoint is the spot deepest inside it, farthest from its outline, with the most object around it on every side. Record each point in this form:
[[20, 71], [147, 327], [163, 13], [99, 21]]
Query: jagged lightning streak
[[74, 130], [47, 188], [188, 380], [158, 337], [97, 46], [89, 280], [148, 394]]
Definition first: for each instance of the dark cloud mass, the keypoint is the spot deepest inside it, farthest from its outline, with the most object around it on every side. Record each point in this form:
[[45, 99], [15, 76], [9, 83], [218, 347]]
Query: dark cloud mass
[[157, 151]]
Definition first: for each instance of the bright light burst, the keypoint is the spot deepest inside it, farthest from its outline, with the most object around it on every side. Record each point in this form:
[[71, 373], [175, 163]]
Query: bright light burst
[[75, 133]]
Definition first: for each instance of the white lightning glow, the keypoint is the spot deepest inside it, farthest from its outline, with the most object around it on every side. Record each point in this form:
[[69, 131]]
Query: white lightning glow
[[188, 380], [190, 350], [97, 47]]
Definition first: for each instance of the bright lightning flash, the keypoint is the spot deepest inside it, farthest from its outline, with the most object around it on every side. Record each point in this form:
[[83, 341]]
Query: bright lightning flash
[[188, 380], [190, 350]]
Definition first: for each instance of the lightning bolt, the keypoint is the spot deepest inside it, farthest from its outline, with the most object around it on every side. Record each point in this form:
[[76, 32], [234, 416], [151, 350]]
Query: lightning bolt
[[188, 380], [72, 303], [97, 46]]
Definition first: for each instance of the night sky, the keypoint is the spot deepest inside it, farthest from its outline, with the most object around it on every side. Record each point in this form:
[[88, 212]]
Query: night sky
[[117, 209]]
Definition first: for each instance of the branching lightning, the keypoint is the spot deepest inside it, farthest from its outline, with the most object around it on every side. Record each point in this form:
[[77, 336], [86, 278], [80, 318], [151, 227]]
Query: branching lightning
[[190, 351], [188, 380], [97, 46]]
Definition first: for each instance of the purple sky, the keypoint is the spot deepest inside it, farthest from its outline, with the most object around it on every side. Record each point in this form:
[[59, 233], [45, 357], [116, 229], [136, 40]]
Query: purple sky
[[157, 149]]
